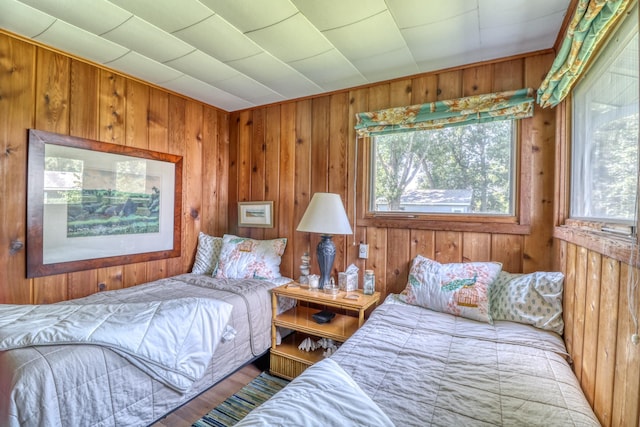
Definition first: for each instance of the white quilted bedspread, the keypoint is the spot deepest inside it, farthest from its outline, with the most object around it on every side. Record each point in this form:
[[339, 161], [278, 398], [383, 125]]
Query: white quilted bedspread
[[172, 341]]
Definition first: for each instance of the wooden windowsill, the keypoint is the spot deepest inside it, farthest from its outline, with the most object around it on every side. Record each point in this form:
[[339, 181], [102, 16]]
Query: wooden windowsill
[[620, 248], [445, 225]]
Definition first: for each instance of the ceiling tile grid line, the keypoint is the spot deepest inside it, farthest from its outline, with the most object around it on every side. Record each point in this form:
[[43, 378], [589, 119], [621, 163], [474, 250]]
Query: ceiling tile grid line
[[246, 53]]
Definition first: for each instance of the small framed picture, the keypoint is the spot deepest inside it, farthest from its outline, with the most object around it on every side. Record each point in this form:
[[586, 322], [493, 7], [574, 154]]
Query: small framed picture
[[255, 214]]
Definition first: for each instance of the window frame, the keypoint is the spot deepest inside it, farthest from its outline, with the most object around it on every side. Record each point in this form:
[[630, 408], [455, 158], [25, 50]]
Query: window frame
[[518, 223]]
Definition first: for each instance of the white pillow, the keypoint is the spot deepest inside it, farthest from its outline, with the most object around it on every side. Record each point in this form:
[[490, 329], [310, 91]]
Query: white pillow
[[534, 299], [207, 254], [242, 258]]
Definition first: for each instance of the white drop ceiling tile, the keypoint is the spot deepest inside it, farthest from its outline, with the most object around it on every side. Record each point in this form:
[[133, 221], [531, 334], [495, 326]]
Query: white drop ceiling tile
[[294, 86], [539, 34], [369, 37], [330, 14], [329, 70], [263, 68], [246, 88], [292, 39], [208, 94], [170, 15], [203, 67], [387, 65], [144, 68], [23, 19], [427, 42], [220, 39], [250, 15], [148, 40], [96, 16], [495, 13], [413, 13], [82, 43]]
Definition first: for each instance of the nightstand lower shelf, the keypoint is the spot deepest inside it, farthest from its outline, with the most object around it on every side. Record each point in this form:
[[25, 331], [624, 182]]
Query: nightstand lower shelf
[[288, 361]]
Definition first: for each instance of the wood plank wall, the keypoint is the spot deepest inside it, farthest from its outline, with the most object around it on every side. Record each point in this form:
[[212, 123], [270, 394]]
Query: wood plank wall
[[288, 151], [598, 330], [46, 90]]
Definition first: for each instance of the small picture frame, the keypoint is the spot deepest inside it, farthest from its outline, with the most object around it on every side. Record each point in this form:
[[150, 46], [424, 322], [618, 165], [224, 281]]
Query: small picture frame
[[255, 214]]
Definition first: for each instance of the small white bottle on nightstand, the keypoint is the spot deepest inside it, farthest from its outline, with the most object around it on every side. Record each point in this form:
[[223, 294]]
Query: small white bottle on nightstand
[[369, 282]]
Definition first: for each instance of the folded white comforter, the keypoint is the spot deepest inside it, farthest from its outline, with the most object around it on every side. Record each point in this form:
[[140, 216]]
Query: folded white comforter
[[173, 341]]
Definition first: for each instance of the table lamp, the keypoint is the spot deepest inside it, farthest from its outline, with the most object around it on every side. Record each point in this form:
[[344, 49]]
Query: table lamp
[[325, 215]]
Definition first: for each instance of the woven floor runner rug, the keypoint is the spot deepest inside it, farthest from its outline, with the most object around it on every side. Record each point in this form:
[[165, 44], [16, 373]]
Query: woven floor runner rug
[[236, 407]]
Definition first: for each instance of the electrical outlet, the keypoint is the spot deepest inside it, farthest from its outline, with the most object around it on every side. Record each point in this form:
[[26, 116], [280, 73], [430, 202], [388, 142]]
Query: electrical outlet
[[363, 251]]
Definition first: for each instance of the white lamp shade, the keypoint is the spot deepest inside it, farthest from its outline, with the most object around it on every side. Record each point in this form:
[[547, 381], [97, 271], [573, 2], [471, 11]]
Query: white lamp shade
[[325, 215]]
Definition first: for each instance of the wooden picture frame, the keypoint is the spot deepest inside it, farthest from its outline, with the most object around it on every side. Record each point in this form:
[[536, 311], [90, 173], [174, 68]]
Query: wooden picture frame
[[93, 204], [255, 214]]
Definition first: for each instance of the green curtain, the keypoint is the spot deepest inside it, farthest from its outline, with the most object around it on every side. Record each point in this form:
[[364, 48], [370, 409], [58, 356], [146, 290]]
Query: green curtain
[[517, 104], [589, 25]]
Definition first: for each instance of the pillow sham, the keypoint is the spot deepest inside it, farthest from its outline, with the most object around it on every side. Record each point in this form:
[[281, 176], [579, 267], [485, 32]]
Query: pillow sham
[[207, 254], [243, 258], [460, 289], [534, 299]]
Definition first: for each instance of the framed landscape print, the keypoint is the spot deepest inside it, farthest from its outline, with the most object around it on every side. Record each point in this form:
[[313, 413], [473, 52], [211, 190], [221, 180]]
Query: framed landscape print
[[92, 204], [255, 214]]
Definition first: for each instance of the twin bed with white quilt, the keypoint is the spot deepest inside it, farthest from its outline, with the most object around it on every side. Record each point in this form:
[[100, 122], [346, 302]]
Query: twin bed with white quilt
[[128, 357], [424, 359]]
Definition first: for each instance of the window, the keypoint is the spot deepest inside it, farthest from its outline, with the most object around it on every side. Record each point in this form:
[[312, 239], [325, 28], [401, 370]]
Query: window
[[466, 170], [604, 175]]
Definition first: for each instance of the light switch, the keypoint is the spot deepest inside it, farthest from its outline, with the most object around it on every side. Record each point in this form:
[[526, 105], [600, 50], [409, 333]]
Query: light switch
[[363, 251]]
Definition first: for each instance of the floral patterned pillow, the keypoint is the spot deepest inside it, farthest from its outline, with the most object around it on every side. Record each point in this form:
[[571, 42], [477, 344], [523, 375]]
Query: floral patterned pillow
[[534, 299], [243, 258], [207, 254], [460, 289]]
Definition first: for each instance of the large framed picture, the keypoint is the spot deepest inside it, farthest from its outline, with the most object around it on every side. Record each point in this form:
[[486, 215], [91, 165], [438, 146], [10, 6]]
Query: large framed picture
[[255, 214], [92, 204]]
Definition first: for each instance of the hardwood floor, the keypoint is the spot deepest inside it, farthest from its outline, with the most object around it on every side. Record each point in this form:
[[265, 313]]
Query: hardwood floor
[[195, 409]]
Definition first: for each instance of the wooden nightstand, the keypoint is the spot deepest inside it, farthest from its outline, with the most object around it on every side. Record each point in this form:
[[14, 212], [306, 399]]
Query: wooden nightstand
[[287, 360]]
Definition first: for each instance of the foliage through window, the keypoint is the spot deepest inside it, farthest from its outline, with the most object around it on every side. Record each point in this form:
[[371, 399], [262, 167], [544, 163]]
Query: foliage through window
[[462, 169], [604, 176]]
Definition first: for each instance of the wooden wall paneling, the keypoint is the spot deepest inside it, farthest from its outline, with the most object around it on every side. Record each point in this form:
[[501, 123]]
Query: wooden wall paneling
[[398, 256], [606, 348], [377, 261], [338, 156], [136, 135], [17, 72], [223, 175], [448, 246], [84, 123], [302, 185], [257, 152], [400, 93], [591, 321], [319, 170], [245, 134], [477, 80], [286, 206], [52, 114], [424, 89], [192, 182], [539, 132], [449, 85], [508, 75], [272, 167], [158, 140], [358, 102], [234, 172], [112, 129], [569, 296], [176, 145], [626, 397], [423, 242], [476, 247], [209, 164], [507, 249], [580, 295]]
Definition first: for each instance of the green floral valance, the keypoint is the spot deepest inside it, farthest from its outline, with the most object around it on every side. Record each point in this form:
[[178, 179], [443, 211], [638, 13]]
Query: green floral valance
[[517, 104], [589, 25]]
